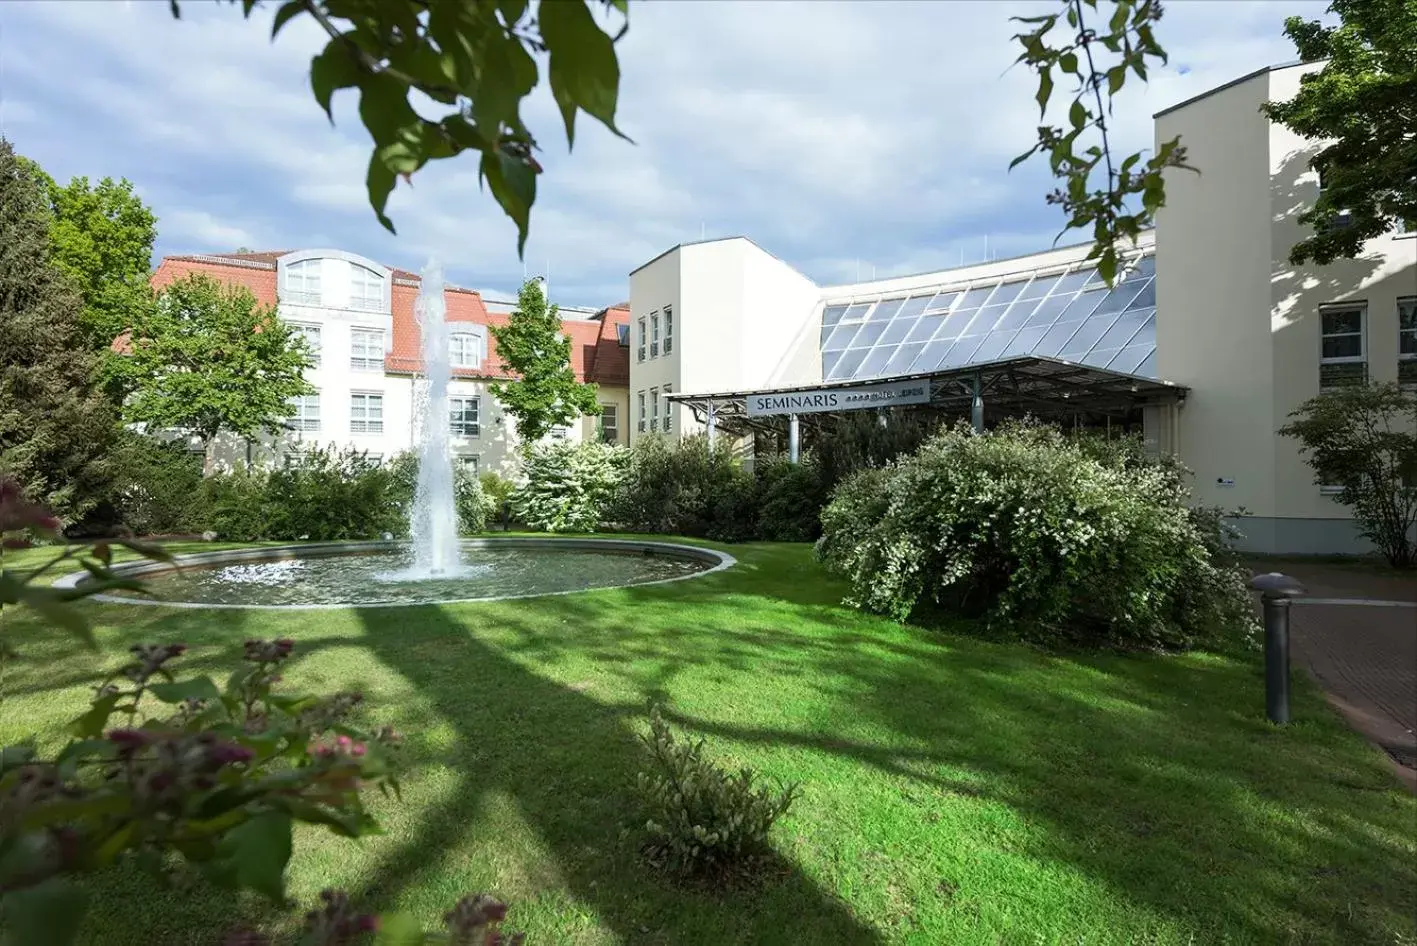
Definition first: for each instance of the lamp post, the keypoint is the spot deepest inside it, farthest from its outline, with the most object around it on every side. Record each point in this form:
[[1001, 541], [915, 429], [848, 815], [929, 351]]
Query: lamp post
[[1276, 591]]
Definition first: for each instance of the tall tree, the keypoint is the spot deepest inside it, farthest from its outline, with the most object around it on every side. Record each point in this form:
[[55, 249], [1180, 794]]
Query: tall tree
[[533, 344], [208, 358], [101, 237], [1363, 103], [54, 426]]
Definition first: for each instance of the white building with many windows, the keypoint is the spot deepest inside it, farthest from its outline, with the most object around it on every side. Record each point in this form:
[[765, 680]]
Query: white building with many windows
[[358, 318], [1207, 343]]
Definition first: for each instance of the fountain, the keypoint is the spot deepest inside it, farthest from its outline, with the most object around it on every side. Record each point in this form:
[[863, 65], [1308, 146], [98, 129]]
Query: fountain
[[433, 522]]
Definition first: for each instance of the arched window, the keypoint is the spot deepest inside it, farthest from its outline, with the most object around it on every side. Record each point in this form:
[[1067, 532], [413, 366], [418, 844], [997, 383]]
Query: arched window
[[366, 289], [302, 282], [466, 349]]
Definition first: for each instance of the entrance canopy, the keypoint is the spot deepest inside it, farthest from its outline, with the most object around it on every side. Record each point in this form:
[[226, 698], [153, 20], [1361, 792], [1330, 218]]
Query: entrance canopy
[[1026, 384]]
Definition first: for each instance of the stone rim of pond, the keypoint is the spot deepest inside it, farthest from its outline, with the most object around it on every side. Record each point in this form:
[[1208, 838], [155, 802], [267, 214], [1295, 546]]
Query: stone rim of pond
[[715, 559]]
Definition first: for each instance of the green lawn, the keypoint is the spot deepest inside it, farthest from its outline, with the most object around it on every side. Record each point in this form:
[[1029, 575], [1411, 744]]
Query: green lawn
[[954, 791]]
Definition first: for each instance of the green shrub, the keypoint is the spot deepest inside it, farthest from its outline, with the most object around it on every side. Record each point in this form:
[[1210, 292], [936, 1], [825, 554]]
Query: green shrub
[[701, 819], [472, 504], [330, 496], [237, 507], [569, 487], [790, 497], [859, 441], [156, 489], [1035, 534], [687, 488], [498, 491]]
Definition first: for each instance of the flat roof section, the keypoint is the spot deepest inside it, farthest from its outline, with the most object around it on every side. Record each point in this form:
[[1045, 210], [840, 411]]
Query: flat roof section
[[1026, 384]]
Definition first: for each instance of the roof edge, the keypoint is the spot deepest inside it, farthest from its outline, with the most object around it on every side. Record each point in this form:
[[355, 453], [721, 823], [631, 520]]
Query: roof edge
[[1228, 85]]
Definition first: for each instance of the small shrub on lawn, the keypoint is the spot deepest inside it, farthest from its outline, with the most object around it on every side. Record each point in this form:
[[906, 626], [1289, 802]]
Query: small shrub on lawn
[[156, 489], [687, 488], [237, 505], [471, 502], [329, 496], [1040, 535], [701, 819], [569, 487], [790, 500], [497, 490]]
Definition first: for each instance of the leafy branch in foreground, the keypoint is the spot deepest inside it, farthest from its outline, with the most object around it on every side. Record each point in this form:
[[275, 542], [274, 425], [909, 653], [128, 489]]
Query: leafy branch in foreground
[[1127, 44], [476, 57]]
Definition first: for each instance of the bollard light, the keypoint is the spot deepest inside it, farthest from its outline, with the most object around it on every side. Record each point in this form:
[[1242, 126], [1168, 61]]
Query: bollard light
[[1276, 591]]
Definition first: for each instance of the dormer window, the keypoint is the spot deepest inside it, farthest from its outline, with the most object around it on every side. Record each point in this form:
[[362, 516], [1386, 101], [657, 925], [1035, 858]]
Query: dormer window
[[466, 350], [366, 289], [302, 282]]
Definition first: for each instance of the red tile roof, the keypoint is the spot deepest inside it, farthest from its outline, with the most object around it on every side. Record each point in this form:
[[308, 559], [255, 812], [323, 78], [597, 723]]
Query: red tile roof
[[595, 351]]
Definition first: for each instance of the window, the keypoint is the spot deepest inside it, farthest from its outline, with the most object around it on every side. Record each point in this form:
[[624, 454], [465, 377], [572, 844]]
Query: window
[[366, 413], [609, 423], [654, 334], [311, 334], [463, 416], [366, 350], [641, 397], [374, 459], [305, 413], [302, 282], [668, 330], [1343, 357], [466, 350], [642, 340], [654, 408], [1407, 340], [1344, 217], [560, 433], [667, 412], [468, 463], [622, 335], [366, 289]]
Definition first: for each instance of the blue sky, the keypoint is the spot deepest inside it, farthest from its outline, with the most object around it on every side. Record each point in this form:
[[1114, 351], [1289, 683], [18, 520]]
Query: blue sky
[[844, 137]]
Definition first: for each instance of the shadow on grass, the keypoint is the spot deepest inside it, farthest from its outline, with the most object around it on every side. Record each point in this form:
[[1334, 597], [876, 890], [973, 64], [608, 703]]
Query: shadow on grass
[[568, 764]]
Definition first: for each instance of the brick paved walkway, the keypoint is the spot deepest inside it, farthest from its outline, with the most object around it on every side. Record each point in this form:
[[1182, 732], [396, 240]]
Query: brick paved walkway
[[1364, 656]]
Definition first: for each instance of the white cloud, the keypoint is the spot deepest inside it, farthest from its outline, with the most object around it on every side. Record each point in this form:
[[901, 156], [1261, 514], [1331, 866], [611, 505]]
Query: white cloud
[[873, 130]]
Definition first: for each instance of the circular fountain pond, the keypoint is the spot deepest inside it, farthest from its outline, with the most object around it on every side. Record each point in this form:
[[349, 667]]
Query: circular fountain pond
[[378, 574]]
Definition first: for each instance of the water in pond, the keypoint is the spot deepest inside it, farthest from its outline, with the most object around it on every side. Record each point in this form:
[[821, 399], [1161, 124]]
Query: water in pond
[[371, 578]]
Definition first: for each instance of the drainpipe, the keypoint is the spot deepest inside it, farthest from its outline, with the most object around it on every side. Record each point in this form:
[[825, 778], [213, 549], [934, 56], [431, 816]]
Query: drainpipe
[[976, 408], [712, 424], [792, 438]]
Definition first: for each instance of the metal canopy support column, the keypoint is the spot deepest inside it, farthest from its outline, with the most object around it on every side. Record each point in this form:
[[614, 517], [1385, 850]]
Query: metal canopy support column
[[712, 424], [792, 438], [976, 407]]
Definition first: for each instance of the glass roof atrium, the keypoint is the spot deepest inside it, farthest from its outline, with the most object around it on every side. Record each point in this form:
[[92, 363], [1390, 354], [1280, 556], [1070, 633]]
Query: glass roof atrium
[[1071, 316]]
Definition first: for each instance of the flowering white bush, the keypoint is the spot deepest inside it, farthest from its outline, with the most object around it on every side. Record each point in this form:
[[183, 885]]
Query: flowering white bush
[[1040, 534], [568, 487]]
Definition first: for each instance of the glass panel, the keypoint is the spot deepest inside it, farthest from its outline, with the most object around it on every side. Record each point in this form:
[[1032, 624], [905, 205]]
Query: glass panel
[[1407, 345], [846, 366], [1048, 311], [924, 330], [1131, 356], [1343, 374], [1146, 299], [1407, 315], [1026, 342], [1098, 357], [963, 351], [1344, 346], [857, 312], [1118, 298], [1072, 282], [977, 296], [988, 317], [1057, 337], [875, 363], [942, 302], [1017, 315], [994, 345], [832, 314], [841, 336], [885, 309], [904, 358], [868, 335], [1008, 292], [933, 355], [829, 360], [1407, 371], [897, 330], [1081, 306], [1038, 288], [1087, 335], [1146, 267], [1147, 369], [1342, 322], [1121, 332], [955, 324], [914, 305]]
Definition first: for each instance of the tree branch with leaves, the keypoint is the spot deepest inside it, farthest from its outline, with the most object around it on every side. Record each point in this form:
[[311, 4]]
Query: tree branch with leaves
[[1097, 188]]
